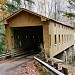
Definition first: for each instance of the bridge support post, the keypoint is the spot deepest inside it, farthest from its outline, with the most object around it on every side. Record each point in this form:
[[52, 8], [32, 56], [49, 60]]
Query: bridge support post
[[70, 54], [65, 57]]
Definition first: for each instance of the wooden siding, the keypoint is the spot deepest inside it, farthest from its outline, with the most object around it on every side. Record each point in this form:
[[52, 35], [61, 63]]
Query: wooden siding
[[68, 38], [25, 19]]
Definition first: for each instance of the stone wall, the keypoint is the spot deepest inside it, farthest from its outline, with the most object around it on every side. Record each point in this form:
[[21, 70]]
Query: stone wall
[[68, 55]]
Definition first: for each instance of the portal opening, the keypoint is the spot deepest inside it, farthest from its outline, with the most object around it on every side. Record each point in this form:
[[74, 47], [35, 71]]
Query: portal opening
[[28, 39]]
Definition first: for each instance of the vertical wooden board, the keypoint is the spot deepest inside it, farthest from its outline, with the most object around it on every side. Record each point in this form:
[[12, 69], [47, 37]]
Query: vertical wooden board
[[8, 37], [46, 38], [51, 49]]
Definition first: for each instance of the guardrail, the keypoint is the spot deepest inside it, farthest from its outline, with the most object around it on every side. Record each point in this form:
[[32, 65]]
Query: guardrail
[[7, 55], [55, 72]]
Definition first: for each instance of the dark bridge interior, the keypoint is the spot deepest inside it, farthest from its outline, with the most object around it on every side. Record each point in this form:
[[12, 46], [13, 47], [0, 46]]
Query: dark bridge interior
[[28, 39]]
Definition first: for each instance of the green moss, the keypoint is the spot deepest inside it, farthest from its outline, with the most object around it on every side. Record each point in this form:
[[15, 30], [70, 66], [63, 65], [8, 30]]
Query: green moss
[[73, 0], [44, 73], [73, 63], [69, 14]]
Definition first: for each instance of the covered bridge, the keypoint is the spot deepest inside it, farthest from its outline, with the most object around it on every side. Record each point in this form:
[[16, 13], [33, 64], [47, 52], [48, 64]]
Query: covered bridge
[[26, 31]]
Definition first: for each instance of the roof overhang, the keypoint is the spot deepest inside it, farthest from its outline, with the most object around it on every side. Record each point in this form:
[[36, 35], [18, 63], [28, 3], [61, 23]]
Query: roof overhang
[[43, 18]]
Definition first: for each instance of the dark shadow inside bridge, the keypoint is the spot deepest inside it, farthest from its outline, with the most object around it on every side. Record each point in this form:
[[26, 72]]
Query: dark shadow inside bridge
[[28, 39]]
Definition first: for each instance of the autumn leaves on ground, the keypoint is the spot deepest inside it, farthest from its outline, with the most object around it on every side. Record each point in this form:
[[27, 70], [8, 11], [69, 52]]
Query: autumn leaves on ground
[[27, 68], [33, 68]]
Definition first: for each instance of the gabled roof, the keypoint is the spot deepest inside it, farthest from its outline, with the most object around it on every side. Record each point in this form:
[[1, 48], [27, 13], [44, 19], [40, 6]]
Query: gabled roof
[[22, 9], [36, 14]]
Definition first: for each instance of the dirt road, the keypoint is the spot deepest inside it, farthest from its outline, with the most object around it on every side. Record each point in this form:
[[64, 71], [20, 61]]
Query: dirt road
[[14, 66]]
